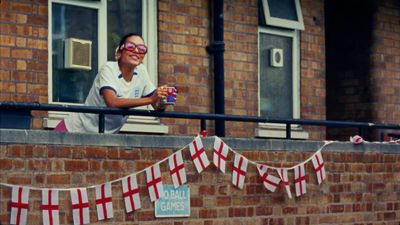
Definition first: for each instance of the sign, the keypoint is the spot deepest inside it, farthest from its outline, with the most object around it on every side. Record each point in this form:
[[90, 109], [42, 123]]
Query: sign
[[175, 203]]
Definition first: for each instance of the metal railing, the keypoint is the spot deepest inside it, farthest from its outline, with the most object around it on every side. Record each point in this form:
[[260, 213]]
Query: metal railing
[[102, 111]]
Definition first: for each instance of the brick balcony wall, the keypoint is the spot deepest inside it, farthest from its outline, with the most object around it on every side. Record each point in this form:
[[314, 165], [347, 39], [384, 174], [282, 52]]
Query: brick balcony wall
[[362, 185]]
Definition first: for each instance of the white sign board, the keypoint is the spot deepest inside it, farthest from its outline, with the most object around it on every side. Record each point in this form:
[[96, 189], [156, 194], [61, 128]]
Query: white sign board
[[175, 203]]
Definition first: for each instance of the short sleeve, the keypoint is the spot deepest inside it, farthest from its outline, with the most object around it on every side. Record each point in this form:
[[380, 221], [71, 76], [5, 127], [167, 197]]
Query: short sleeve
[[107, 78]]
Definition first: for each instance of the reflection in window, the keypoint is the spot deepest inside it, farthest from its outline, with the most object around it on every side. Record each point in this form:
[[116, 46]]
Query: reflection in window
[[72, 85], [123, 16]]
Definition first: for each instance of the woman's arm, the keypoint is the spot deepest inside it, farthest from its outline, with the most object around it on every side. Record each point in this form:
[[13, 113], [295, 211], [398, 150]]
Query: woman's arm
[[111, 99]]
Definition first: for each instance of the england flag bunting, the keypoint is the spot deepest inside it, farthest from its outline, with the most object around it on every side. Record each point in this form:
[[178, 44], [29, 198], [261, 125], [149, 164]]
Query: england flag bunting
[[130, 192], [80, 206], [19, 205], [239, 171], [319, 166], [177, 169], [198, 154], [270, 182], [221, 151], [283, 174], [50, 207], [300, 180], [154, 182], [104, 204]]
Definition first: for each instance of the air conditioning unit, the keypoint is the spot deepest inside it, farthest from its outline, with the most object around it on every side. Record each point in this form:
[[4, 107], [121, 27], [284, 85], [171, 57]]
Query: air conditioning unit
[[276, 57], [77, 54]]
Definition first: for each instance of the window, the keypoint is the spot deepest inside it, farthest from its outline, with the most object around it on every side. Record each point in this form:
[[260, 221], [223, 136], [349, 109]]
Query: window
[[99, 24], [279, 66], [281, 13]]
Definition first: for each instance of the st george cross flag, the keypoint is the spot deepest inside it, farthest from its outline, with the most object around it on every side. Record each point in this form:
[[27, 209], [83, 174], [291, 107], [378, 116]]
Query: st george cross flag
[[319, 166], [198, 154], [177, 169], [154, 182], [19, 205], [221, 151], [283, 174], [104, 204], [130, 192], [270, 182], [300, 180], [80, 206], [50, 207], [239, 170]]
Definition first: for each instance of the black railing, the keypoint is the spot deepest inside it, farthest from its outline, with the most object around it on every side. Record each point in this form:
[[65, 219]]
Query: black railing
[[102, 111]]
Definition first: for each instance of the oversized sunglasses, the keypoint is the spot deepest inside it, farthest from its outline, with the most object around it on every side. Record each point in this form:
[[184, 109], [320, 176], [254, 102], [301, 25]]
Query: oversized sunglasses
[[130, 46]]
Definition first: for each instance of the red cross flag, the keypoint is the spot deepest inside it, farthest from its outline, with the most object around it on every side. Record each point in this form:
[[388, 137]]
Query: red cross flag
[[177, 169], [19, 205], [270, 182], [50, 207], [319, 166], [130, 192], [239, 171], [104, 204], [80, 206], [283, 174], [221, 151], [198, 154], [300, 180], [154, 182]]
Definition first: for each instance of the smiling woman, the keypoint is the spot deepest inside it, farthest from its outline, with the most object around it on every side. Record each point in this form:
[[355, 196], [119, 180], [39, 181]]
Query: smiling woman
[[124, 84]]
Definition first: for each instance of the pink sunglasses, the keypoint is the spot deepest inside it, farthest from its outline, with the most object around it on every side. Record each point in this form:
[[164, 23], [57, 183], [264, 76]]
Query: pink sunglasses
[[130, 46]]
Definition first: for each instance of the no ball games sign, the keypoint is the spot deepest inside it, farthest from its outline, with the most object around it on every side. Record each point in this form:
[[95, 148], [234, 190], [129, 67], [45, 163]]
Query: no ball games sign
[[175, 203]]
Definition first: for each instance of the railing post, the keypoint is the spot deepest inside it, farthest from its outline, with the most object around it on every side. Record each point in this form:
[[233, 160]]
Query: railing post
[[288, 131], [203, 128], [101, 122]]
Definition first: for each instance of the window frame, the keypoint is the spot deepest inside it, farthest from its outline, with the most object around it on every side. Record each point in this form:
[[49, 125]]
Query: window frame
[[285, 23], [149, 33]]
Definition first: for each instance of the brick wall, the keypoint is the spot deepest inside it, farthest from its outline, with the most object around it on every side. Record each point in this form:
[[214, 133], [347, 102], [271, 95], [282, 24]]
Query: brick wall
[[312, 66], [362, 185], [23, 52], [385, 59]]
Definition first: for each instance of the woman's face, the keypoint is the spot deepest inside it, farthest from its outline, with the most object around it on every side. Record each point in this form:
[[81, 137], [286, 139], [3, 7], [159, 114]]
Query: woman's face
[[132, 54]]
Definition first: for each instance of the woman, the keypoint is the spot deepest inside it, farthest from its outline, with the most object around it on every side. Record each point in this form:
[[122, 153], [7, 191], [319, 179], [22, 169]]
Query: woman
[[123, 84]]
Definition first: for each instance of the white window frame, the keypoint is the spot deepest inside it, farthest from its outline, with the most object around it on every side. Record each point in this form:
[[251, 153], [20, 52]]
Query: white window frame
[[149, 25], [279, 22], [278, 130]]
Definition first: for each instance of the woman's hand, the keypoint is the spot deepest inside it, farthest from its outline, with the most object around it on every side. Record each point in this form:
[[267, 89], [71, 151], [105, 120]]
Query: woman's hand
[[160, 94]]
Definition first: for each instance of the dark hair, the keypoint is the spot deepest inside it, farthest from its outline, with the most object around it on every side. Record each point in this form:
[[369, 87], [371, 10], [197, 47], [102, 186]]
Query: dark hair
[[123, 39]]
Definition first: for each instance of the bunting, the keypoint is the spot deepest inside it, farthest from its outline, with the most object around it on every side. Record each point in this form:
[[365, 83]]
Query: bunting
[[80, 206], [19, 203], [154, 182], [239, 171], [198, 154], [104, 204], [270, 182], [221, 151], [50, 207], [177, 169], [130, 192], [319, 166]]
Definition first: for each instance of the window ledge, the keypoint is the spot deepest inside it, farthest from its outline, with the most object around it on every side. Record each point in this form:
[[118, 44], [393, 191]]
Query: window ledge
[[266, 131], [135, 124]]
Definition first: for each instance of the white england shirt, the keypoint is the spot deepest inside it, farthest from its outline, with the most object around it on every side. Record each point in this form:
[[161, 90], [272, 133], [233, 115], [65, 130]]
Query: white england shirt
[[110, 77]]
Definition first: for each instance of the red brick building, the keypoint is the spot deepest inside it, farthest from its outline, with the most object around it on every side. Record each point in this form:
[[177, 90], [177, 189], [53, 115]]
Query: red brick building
[[307, 59], [362, 63]]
